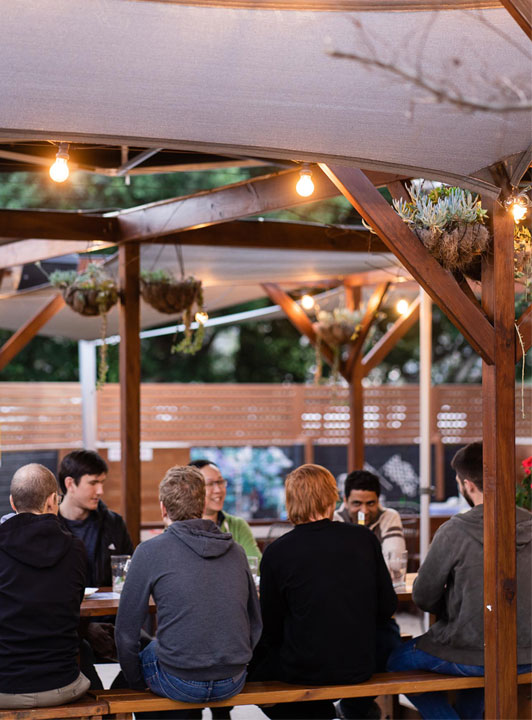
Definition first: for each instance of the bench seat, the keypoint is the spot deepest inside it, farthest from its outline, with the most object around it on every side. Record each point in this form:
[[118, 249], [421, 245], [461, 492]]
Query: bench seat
[[268, 693], [86, 708]]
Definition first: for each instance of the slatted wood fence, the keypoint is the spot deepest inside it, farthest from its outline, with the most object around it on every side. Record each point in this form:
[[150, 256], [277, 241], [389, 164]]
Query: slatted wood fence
[[48, 415]]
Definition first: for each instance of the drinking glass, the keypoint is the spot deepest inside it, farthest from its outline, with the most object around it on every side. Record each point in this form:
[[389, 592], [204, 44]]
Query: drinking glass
[[396, 563], [119, 567]]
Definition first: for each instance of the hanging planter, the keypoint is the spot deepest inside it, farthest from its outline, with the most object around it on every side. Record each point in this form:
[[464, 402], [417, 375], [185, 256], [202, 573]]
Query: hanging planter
[[523, 255], [89, 293], [337, 328], [449, 222], [174, 296]]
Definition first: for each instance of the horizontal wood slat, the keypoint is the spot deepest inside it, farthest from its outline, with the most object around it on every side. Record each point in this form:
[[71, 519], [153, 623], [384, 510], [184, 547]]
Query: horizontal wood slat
[[409, 681], [43, 415]]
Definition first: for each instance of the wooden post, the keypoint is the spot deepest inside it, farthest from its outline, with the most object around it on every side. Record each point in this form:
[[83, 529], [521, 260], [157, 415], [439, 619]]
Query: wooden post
[[129, 264], [498, 387], [355, 454]]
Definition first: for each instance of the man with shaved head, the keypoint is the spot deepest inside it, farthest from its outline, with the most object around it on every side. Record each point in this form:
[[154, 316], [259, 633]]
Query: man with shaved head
[[42, 581]]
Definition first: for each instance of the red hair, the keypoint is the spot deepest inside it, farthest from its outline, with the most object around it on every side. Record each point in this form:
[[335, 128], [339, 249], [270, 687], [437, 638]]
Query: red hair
[[310, 492]]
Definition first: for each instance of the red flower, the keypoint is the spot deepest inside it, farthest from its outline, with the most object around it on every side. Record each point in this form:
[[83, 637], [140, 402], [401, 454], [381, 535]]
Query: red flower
[[527, 464]]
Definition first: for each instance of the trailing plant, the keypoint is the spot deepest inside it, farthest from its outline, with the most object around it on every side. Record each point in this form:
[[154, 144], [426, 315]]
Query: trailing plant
[[449, 221], [171, 295], [336, 328], [90, 292], [523, 254], [523, 495]]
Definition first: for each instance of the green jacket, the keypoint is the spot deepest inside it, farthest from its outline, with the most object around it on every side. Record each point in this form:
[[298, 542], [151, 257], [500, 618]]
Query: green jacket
[[241, 533]]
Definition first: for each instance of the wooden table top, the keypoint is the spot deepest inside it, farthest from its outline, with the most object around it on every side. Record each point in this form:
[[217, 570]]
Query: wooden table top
[[404, 594], [100, 603]]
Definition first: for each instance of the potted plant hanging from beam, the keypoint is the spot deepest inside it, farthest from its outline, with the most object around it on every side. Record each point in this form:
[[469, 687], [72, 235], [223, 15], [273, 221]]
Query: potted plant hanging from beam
[[449, 221], [337, 328], [90, 292], [177, 296]]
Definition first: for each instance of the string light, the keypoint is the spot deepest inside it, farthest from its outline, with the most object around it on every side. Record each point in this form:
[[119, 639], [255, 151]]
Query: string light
[[307, 302], [201, 317], [402, 306], [59, 171], [518, 204], [305, 186]]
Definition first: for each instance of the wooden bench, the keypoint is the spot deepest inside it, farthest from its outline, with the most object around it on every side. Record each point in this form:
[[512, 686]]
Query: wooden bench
[[120, 704]]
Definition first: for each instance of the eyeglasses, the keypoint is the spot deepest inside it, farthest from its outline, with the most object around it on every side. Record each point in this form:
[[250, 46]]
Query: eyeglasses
[[216, 483]]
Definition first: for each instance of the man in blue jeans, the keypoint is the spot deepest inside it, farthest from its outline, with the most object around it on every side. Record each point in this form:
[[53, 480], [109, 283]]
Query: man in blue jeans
[[207, 607], [450, 584]]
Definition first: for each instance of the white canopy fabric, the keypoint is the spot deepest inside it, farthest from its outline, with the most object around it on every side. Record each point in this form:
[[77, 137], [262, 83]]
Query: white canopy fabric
[[262, 82], [230, 276]]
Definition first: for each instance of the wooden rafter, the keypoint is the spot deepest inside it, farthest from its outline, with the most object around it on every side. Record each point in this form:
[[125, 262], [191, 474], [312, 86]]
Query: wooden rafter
[[372, 308], [521, 11], [27, 332], [299, 320], [390, 339], [276, 234], [394, 273], [57, 225], [437, 282]]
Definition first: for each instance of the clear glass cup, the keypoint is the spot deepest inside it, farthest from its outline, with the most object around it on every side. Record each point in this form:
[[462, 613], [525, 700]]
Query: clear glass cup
[[396, 563], [119, 568], [254, 565]]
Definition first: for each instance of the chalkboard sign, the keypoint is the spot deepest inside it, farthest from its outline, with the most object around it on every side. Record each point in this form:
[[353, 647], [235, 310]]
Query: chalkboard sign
[[11, 461]]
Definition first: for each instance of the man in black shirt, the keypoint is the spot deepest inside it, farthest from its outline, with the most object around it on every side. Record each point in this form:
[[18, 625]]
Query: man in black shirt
[[319, 620], [82, 475], [42, 581]]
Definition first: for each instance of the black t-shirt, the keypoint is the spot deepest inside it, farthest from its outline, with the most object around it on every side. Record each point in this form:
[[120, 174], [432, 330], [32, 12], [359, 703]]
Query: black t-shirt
[[87, 531], [323, 588]]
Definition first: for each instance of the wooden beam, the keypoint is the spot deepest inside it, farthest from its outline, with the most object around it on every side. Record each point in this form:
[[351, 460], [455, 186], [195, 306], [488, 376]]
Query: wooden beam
[[394, 274], [129, 361], [437, 282], [299, 319], [24, 252], [498, 409], [467, 289], [277, 234], [524, 325], [397, 190], [355, 450], [390, 339], [521, 11], [57, 225], [27, 332], [372, 308], [353, 296]]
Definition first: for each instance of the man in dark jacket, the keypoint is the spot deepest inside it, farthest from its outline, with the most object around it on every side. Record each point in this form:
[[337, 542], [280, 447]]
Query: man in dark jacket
[[208, 617], [42, 581], [450, 584], [82, 475], [320, 622]]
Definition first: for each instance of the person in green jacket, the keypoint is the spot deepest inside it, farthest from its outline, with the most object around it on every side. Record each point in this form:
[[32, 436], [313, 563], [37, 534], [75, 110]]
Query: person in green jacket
[[215, 491]]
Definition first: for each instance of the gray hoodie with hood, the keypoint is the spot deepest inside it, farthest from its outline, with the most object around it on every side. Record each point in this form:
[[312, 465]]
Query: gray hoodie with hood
[[450, 584], [208, 615]]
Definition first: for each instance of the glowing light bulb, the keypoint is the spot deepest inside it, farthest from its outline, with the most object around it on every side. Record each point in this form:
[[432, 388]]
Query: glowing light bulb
[[305, 186], [402, 306], [518, 211], [59, 171], [307, 301], [201, 317]]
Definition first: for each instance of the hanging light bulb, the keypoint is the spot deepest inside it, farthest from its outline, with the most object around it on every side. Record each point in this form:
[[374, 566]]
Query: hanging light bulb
[[518, 204], [201, 317], [305, 186], [59, 171], [307, 302], [402, 306]]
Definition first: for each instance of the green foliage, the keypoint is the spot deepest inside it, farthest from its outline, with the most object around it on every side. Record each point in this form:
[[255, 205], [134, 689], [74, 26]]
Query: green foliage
[[523, 495]]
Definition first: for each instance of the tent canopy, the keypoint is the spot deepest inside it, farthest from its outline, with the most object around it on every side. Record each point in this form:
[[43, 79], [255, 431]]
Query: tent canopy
[[250, 81]]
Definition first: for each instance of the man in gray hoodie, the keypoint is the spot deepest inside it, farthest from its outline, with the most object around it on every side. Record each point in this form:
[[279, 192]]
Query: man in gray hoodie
[[450, 584], [207, 607]]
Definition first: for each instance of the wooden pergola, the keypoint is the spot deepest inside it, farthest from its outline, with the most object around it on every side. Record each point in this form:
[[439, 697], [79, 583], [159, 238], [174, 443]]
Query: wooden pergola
[[357, 143]]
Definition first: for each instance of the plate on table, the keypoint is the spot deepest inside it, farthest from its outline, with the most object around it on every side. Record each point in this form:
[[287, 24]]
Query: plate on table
[[90, 591]]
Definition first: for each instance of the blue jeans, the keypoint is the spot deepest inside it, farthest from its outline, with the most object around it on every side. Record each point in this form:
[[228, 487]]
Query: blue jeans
[[194, 691], [469, 704]]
